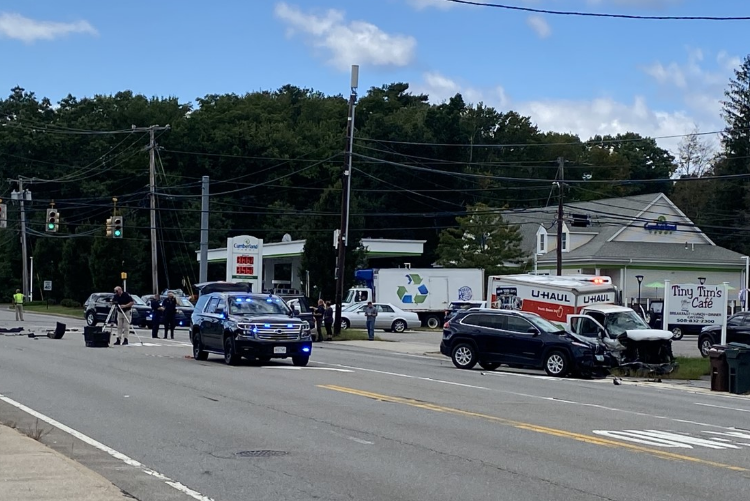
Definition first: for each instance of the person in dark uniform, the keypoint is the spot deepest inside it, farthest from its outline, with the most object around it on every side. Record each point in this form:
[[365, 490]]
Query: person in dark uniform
[[318, 315], [328, 320], [156, 312], [169, 314]]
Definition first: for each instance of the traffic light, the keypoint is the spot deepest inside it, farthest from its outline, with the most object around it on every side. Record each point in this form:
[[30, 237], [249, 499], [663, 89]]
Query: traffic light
[[53, 220], [109, 227], [117, 227], [3, 216]]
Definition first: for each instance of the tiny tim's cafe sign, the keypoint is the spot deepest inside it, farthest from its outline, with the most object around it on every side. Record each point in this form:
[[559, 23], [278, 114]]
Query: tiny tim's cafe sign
[[660, 225]]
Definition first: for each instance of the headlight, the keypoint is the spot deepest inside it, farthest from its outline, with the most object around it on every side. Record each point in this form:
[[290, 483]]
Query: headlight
[[581, 345], [247, 331], [305, 325]]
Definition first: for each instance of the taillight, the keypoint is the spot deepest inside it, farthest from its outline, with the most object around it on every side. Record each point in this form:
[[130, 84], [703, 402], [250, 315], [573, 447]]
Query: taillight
[[446, 324]]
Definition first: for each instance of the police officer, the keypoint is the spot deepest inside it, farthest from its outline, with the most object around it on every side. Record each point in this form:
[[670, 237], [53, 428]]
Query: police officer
[[156, 314], [18, 302]]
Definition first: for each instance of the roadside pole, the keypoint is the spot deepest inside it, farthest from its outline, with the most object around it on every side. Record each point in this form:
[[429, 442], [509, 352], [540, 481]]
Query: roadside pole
[[725, 288], [665, 308], [203, 272]]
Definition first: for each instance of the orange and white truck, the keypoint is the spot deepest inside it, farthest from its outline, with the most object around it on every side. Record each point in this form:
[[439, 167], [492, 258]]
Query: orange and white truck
[[551, 297]]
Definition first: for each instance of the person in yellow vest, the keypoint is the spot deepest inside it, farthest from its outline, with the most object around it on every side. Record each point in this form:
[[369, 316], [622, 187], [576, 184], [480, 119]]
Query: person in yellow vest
[[18, 301]]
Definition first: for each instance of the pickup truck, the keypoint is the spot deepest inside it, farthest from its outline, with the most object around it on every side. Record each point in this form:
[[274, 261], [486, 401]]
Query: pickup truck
[[634, 344]]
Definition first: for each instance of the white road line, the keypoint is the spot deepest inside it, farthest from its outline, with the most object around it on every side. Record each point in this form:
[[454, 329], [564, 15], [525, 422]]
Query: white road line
[[528, 395], [723, 407], [360, 441], [115, 454], [666, 439]]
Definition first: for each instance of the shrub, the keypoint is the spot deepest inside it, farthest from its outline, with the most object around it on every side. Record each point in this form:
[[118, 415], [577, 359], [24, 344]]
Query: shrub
[[70, 303]]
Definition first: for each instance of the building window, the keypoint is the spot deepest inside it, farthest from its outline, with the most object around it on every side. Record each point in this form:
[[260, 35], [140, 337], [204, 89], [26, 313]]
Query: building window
[[565, 241], [541, 246]]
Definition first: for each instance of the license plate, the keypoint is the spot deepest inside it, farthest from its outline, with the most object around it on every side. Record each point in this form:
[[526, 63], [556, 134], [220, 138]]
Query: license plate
[[599, 358], [279, 349]]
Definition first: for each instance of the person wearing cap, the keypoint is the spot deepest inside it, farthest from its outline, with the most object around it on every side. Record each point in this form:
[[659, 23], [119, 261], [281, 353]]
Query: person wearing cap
[[124, 303], [18, 302]]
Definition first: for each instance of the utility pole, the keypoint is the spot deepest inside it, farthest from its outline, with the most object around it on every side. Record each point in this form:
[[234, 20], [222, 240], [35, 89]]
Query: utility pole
[[346, 186], [203, 272], [22, 195], [152, 191], [561, 185]]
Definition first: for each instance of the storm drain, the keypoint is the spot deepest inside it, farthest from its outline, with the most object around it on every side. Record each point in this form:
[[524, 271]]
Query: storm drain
[[260, 454]]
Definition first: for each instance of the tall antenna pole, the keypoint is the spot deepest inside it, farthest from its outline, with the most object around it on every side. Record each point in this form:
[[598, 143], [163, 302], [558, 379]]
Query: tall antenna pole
[[346, 186], [561, 185], [152, 201]]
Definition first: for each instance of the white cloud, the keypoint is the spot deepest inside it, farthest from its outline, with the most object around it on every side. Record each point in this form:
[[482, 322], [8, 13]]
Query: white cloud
[[355, 42], [27, 30], [539, 25], [587, 117]]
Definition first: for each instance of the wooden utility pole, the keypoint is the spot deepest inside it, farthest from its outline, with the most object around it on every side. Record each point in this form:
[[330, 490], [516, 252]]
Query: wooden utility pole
[[152, 204], [346, 186], [561, 186]]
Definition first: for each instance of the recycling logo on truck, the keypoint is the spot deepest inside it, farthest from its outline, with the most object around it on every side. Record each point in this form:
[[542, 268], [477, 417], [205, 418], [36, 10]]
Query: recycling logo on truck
[[414, 292]]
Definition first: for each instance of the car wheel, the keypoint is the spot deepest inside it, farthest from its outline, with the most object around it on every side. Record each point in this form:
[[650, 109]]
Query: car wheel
[[198, 352], [398, 326], [676, 333], [345, 324], [433, 322], [300, 361], [704, 345], [91, 319], [489, 366], [464, 356], [230, 357], [556, 364]]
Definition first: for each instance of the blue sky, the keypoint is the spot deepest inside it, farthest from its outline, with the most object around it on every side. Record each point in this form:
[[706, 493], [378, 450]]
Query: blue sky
[[574, 74]]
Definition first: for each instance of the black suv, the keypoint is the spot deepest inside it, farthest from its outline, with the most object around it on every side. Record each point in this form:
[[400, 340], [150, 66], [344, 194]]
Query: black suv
[[97, 306], [519, 339], [738, 331], [254, 326]]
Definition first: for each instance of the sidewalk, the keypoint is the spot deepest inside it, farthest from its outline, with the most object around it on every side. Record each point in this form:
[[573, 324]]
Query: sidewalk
[[31, 471]]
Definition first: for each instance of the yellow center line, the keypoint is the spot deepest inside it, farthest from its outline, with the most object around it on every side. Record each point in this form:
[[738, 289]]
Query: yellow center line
[[589, 439]]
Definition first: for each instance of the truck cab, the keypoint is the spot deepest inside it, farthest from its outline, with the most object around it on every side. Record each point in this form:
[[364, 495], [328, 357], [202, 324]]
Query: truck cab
[[627, 336]]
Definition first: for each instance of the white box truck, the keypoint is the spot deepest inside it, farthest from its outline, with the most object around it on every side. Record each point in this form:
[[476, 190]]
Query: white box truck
[[427, 292], [551, 297]]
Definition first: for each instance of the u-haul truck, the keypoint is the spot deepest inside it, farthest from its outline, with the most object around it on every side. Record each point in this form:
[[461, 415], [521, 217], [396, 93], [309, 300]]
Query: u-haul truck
[[551, 297]]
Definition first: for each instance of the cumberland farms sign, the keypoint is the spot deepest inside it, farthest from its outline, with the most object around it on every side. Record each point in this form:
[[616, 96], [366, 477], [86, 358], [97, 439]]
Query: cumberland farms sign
[[695, 304]]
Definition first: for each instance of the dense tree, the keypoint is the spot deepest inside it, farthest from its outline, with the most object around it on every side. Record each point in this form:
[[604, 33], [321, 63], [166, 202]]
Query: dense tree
[[481, 240]]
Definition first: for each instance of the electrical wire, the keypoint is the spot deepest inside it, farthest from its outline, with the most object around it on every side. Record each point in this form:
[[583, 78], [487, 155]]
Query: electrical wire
[[597, 14]]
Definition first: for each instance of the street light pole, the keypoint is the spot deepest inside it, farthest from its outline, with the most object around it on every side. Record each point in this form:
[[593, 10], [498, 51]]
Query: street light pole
[[640, 280]]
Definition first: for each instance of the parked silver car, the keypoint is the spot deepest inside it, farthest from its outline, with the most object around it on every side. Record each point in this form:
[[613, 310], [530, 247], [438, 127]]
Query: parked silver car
[[390, 317]]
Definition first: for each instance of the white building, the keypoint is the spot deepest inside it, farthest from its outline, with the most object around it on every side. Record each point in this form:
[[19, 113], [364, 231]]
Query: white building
[[638, 236]]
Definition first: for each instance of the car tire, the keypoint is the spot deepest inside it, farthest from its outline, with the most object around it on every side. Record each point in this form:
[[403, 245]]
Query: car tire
[[300, 361], [677, 333], [556, 364], [398, 326], [464, 356], [230, 355], [345, 324], [91, 319], [704, 344], [489, 366], [432, 322], [198, 352]]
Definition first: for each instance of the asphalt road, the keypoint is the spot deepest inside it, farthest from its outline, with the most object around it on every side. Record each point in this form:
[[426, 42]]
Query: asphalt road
[[368, 424]]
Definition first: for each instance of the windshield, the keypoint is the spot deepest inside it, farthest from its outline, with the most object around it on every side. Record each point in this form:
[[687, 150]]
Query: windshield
[[618, 323], [249, 306], [544, 325], [183, 301], [352, 307], [138, 300]]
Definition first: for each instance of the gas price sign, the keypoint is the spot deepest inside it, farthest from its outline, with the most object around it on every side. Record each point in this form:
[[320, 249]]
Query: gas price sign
[[244, 266]]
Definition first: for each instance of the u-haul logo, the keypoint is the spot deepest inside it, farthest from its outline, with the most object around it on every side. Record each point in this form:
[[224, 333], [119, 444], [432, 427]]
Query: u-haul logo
[[598, 298], [562, 297]]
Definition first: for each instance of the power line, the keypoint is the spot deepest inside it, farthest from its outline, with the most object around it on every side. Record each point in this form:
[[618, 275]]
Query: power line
[[599, 14]]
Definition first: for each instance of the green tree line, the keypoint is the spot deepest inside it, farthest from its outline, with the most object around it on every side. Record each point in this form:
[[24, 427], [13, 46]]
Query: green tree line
[[275, 159]]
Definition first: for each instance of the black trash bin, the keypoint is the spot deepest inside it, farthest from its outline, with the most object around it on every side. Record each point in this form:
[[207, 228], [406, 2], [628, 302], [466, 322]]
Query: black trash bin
[[719, 368], [95, 337], [739, 369]]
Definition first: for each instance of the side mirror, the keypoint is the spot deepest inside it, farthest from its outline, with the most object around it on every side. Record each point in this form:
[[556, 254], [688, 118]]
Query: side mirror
[[533, 330], [294, 313]]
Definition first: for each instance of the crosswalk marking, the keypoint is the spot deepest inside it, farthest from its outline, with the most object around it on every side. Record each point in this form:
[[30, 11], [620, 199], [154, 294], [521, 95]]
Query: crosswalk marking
[[670, 439]]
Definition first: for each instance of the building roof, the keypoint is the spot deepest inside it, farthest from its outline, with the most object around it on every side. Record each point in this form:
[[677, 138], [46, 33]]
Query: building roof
[[609, 217]]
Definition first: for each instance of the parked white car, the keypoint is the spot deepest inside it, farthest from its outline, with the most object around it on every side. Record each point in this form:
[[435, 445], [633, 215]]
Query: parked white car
[[390, 317]]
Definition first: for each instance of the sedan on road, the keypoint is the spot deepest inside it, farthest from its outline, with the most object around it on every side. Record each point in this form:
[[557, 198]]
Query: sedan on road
[[390, 317], [738, 331]]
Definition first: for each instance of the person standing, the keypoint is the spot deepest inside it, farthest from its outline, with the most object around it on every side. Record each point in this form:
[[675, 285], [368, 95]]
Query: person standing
[[156, 311], [371, 313], [18, 302], [328, 320], [123, 302], [318, 314], [170, 312]]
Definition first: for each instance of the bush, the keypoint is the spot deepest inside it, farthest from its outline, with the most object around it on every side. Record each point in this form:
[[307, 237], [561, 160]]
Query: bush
[[70, 303]]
